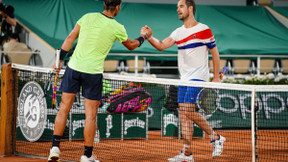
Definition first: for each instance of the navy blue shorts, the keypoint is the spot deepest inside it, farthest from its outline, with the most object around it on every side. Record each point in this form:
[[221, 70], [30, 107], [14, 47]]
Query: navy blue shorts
[[187, 94], [91, 84]]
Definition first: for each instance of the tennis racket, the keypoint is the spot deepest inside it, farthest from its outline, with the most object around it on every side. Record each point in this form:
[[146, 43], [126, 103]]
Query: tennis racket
[[206, 98], [55, 79]]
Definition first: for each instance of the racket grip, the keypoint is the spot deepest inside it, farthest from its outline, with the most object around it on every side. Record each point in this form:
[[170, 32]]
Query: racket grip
[[225, 69], [57, 58]]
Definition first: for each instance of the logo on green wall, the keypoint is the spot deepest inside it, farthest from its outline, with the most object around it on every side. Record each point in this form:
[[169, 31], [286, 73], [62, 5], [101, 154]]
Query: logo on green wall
[[133, 123], [32, 111], [170, 119]]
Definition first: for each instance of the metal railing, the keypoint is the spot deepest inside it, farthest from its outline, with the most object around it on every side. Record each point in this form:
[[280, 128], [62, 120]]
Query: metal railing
[[226, 56]]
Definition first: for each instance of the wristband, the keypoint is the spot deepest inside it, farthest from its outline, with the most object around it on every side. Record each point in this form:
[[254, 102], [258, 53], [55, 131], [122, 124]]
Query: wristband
[[62, 54], [141, 40]]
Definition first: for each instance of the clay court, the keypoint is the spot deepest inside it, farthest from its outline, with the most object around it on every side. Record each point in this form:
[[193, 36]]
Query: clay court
[[160, 149]]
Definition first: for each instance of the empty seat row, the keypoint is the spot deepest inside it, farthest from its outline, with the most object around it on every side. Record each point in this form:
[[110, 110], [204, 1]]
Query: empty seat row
[[247, 66], [126, 65]]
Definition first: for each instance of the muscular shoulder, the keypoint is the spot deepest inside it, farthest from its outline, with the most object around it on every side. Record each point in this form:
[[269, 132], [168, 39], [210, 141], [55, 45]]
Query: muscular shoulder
[[118, 27], [88, 18], [203, 26], [90, 15], [179, 29]]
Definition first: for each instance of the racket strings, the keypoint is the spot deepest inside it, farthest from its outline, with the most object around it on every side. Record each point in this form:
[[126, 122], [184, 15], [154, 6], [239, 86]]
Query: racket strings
[[207, 101]]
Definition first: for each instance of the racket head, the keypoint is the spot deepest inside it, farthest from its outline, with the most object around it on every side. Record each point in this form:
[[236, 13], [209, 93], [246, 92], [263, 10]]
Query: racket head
[[206, 100]]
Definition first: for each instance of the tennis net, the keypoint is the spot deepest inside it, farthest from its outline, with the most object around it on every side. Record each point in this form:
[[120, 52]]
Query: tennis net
[[139, 119]]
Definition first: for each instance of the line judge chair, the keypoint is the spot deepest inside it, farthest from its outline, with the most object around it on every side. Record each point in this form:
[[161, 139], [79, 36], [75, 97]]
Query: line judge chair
[[28, 57]]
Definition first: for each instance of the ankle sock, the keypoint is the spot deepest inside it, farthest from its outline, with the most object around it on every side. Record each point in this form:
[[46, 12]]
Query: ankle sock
[[88, 151], [56, 140]]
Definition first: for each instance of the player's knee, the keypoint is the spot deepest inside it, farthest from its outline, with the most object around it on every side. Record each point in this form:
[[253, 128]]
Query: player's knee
[[90, 120], [65, 106]]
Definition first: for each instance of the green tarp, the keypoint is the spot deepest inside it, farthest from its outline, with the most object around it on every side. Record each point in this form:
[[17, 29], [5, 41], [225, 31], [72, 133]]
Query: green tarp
[[281, 10], [237, 29]]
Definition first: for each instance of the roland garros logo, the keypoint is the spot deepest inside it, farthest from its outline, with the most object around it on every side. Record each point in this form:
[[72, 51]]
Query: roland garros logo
[[32, 111]]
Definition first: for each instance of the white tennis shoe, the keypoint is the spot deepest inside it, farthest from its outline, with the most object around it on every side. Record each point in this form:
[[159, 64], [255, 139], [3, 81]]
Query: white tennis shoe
[[181, 158], [218, 146], [54, 154], [86, 159]]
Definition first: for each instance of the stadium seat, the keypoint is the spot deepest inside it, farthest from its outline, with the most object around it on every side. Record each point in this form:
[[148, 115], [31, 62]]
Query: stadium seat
[[222, 64], [110, 65], [264, 2], [285, 66], [267, 65], [20, 58], [142, 66], [241, 66]]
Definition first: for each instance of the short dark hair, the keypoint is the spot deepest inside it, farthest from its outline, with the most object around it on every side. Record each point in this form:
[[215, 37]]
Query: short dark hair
[[111, 4], [191, 3]]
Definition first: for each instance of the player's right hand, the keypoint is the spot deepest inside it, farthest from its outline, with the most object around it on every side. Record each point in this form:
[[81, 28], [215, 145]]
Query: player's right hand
[[149, 31], [146, 30], [59, 66]]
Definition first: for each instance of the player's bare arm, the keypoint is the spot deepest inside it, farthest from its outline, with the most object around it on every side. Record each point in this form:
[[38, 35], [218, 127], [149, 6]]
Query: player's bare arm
[[71, 38], [216, 64], [132, 44], [159, 45], [67, 44]]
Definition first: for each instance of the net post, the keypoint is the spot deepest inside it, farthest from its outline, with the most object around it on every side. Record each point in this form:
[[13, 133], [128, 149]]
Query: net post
[[162, 128], [258, 66], [136, 65], [147, 121], [122, 126], [70, 126], [9, 91], [253, 124], [179, 125]]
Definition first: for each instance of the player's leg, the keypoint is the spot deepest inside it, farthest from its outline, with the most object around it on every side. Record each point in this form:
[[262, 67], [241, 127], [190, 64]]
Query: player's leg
[[193, 114], [92, 92], [198, 119], [216, 140], [91, 108], [65, 107], [70, 86], [187, 127], [60, 124]]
